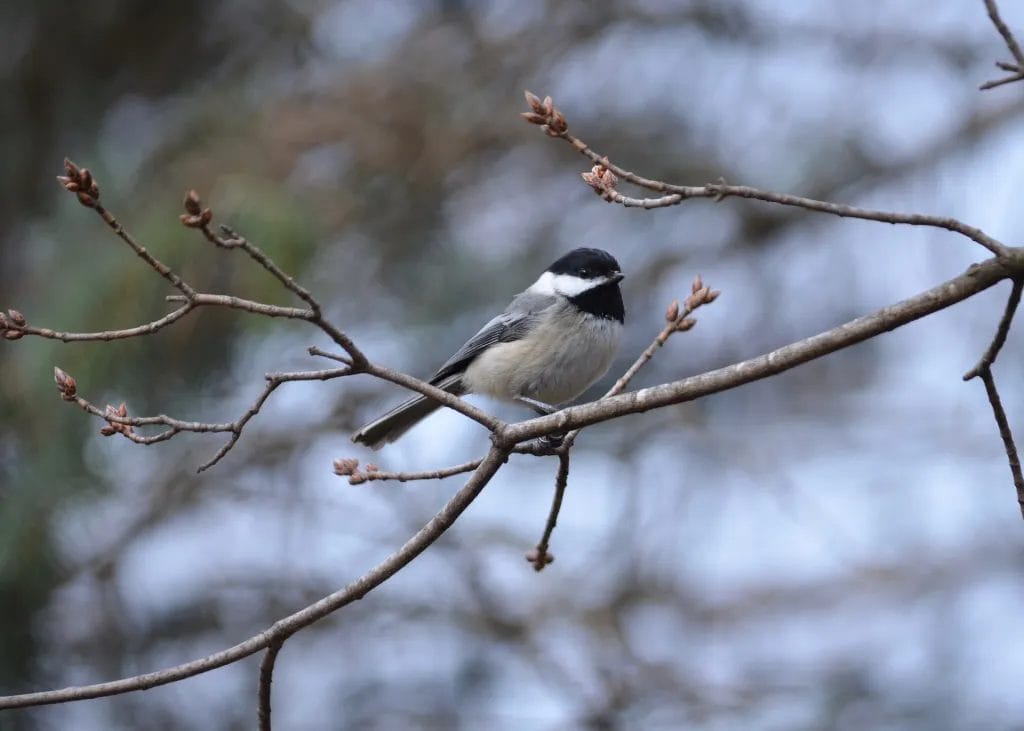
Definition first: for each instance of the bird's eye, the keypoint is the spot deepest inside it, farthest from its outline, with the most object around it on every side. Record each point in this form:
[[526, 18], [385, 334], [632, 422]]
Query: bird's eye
[[585, 273]]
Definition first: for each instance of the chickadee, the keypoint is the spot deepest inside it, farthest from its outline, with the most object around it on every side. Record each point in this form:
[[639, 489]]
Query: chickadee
[[547, 347]]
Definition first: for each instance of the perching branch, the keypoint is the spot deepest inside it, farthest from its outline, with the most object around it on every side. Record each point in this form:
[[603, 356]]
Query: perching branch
[[976, 279]]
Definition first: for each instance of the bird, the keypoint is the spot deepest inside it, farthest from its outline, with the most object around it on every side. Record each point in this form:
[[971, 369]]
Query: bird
[[552, 342]]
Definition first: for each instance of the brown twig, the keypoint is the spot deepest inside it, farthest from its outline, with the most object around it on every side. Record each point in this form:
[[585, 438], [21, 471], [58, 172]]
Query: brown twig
[[350, 468], [983, 370], [266, 678], [554, 124], [1016, 69], [677, 320], [1005, 434], [67, 387], [540, 556], [999, 339]]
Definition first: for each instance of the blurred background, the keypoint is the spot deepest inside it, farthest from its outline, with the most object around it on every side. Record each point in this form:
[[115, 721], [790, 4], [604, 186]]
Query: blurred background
[[835, 548]]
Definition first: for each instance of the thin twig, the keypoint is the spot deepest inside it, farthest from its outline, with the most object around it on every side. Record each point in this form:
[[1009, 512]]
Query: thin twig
[[1005, 32], [349, 467], [540, 556], [1005, 434], [992, 352], [554, 124], [266, 678], [345, 468], [233, 240], [291, 624], [177, 426], [983, 369], [106, 335], [162, 269]]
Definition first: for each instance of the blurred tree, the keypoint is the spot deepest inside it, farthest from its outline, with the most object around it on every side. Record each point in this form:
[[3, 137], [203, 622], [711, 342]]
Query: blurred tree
[[814, 552]]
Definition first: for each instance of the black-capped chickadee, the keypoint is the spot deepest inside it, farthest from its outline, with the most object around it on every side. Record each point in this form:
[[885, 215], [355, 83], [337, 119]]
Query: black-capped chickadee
[[554, 341]]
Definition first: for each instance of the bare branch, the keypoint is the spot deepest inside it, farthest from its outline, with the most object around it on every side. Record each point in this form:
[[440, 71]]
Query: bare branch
[[80, 181], [992, 352], [291, 624], [266, 678], [1005, 434], [540, 556], [350, 468], [147, 329], [119, 418], [232, 240], [1016, 69], [554, 124], [976, 279], [983, 369]]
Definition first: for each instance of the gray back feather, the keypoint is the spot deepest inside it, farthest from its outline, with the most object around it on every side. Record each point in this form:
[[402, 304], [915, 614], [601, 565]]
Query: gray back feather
[[513, 324]]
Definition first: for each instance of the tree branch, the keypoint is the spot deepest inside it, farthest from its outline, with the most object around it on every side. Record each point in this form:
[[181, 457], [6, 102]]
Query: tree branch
[[983, 369], [1016, 69], [266, 678], [977, 278], [540, 556], [291, 624], [605, 174]]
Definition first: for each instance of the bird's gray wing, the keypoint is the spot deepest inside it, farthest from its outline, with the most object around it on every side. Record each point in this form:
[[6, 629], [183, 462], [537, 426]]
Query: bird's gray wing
[[513, 324]]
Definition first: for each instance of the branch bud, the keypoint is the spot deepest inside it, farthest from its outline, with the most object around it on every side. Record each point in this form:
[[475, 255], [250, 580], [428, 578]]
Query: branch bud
[[345, 467], [80, 182], [687, 324], [545, 114], [65, 384], [533, 117], [192, 203], [538, 561], [534, 101], [13, 334], [672, 312], [698, 283], [16, 317]]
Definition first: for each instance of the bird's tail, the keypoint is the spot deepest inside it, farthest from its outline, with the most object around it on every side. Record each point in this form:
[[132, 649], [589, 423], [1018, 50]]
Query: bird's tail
[[405, 416]]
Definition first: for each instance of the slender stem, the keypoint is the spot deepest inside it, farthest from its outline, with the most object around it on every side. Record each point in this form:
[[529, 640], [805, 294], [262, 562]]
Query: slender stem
[[266, 678]]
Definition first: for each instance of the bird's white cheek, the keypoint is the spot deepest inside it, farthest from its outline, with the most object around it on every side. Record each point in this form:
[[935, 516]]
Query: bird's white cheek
[[564, 284]]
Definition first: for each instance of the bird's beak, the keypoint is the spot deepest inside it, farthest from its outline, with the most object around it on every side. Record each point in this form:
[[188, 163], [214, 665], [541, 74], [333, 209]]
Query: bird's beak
[[617, 277]]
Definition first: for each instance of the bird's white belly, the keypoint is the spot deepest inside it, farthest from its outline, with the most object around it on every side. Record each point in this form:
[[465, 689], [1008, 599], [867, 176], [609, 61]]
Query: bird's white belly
[[554, 364]]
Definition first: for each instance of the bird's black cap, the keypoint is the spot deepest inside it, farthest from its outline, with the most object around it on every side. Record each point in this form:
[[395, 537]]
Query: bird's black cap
[[586, 264]]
